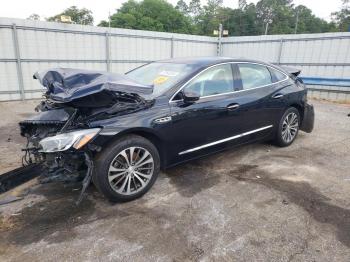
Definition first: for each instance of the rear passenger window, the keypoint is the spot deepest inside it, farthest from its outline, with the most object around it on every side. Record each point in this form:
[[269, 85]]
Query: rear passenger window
[[278, 76], [254, 75]]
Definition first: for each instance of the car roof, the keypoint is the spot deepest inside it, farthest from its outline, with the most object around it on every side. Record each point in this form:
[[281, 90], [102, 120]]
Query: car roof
[[209, 60]]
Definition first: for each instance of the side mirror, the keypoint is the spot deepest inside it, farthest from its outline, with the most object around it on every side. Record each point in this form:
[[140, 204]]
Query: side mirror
[[190, 97]]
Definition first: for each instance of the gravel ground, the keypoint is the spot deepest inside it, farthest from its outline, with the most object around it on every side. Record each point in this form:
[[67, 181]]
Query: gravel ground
[[254, 203]]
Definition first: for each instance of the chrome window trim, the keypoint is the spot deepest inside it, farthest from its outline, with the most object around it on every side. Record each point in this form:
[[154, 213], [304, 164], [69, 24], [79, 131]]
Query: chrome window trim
[[224, 140], [224, 63]]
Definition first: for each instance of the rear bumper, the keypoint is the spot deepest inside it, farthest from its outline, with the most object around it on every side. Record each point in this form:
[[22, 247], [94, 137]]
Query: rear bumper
[[307, 124]]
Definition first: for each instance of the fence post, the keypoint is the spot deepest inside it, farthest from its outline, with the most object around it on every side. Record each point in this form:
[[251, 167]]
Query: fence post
[[279, 56], [219, 43], [172, 47], [108, 50], [18, 61]]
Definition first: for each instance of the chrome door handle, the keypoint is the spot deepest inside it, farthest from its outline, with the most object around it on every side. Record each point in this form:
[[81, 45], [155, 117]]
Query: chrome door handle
[[277, 96], [232, 107]]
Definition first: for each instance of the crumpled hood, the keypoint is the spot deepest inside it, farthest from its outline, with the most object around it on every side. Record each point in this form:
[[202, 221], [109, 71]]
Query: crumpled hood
[[66, 84]]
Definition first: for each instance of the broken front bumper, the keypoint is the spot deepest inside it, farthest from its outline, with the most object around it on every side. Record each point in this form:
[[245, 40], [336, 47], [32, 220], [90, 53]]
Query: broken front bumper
[[307, 124]]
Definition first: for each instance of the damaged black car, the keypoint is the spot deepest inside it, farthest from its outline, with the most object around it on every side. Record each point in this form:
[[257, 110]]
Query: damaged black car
[[119, 131]]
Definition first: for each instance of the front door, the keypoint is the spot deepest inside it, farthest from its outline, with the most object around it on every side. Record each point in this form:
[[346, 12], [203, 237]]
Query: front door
[[196, 125]]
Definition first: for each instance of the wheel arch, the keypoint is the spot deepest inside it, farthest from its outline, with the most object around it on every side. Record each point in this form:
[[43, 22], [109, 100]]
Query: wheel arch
[[300, 110], [150, 135]]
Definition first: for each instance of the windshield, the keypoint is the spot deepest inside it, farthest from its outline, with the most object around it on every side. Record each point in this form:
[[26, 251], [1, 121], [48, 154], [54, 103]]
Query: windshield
[[162, 75]]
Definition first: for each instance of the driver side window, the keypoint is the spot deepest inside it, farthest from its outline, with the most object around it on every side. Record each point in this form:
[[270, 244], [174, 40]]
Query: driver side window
[[214, 81]]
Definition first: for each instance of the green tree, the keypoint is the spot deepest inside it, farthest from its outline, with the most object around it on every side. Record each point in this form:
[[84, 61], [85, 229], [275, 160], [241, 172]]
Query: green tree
[[34, 17], [342, 17], [156, 15], [242, 4], [282, 17], [309, 23], [78, 16], [182, 7], [209, 17], [195, 8], [277, 15], [241, 21], [189, 16]]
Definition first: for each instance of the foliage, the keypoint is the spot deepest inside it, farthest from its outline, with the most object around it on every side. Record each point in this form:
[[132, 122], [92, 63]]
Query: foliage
[[342, 17], [182, 7], [156, 15], [241, 21], [209, 17], [194, 7], [190, 16], [79, 16], [34, 17]]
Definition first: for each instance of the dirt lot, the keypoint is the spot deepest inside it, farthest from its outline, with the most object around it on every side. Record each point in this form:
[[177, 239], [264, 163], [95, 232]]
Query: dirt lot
[[255, 203]]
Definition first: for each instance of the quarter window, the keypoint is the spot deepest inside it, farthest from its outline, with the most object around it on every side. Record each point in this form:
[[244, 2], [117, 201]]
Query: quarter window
[[278, 76], [253, 75], [214, 81]]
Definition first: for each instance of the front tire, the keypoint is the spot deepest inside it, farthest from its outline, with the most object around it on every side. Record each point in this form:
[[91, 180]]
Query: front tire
[[288, 127], [126, 169]]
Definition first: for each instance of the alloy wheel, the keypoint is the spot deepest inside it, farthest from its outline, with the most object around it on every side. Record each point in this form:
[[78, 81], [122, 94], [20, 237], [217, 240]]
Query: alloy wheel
[[131, 170], [290, 127]]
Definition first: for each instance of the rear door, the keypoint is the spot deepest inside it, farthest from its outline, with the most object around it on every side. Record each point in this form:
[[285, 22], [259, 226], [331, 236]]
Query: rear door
[[260, 98]]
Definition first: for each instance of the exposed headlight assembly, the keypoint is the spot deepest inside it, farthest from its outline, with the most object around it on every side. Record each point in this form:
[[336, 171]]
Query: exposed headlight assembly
[[62, 142]]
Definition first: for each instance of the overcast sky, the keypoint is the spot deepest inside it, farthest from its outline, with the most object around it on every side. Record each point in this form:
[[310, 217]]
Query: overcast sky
[[100, 8]]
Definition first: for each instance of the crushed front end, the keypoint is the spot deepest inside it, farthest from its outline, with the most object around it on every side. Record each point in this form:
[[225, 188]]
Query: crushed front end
[[58, 140], [60, 136]]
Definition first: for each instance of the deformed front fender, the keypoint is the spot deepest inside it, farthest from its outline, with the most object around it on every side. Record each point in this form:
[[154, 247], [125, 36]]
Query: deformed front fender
[[107, 137]]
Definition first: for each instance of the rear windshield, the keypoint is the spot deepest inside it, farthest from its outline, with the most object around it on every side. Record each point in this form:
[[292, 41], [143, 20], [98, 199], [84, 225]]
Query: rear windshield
[[161, 75]]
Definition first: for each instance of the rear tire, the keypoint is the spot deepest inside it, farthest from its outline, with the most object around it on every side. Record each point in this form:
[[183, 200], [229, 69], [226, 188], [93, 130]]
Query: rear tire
[[126, 169], [288, 127]]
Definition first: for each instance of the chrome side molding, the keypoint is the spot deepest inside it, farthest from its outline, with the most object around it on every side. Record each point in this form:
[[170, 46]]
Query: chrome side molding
[[225, 140]]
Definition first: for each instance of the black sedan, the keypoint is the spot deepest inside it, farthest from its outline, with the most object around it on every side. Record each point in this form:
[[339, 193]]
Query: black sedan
[[121, 130]]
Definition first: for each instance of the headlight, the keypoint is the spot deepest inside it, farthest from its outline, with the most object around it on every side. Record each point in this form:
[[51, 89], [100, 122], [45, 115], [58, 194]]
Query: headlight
[[65, 141]]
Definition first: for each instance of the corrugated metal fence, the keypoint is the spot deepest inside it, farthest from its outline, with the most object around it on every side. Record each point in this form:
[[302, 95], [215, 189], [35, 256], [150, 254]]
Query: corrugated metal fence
[[27, 46], [324, 57]]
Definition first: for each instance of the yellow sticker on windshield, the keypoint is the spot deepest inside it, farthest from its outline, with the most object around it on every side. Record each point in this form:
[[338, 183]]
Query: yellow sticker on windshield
[[160, 80]]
